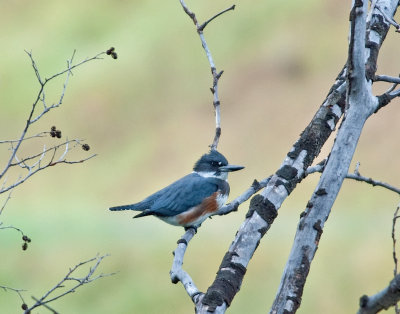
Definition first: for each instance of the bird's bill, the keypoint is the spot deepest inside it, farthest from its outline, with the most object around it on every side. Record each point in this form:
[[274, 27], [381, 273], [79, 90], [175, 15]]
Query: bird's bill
[[230, 168]]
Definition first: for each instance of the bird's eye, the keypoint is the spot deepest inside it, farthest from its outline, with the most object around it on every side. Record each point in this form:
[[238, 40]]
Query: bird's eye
[[220, 164], [215, 163]]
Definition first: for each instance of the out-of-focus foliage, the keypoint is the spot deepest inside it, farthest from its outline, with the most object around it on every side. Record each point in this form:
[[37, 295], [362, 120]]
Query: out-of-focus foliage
[[149, 116]]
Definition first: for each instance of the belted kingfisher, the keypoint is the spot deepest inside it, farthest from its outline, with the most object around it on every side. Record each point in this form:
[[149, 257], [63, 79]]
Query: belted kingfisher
[[193, 198]]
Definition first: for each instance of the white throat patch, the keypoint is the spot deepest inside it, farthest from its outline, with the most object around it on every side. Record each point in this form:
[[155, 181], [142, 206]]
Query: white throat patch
[[204, 174]]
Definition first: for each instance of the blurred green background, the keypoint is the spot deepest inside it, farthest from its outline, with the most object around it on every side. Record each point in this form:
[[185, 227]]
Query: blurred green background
[[149, 116]]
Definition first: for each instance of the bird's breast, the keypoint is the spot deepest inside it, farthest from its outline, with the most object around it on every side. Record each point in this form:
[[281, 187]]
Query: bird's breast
[[197, 214]]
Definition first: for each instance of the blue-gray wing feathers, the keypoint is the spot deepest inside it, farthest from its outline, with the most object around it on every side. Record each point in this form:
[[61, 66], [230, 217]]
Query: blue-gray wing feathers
[[178, 197]]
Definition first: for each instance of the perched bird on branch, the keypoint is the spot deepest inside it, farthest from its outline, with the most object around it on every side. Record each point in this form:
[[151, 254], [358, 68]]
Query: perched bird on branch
[[192, 199]]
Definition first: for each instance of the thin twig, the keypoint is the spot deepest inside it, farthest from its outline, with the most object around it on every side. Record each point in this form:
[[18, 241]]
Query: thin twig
[[76, 141], [215, 74], [40, 97], [253, 189], [11, 227], [5, 202], [17, 291], [203, 26], [395, 260], [358, 177], [41, 134], [42, 167], [80, 282], [46, 306]]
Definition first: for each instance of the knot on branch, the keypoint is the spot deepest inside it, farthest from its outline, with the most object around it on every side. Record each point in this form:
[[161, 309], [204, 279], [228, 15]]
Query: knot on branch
[[364, 301], [287, 172], [256, 185], [383, 100], [318, 227], [379, 25], [227, 283], [264, 208]]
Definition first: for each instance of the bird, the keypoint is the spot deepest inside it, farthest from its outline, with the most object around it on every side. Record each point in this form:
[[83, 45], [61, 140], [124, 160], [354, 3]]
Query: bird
[[193, 198]]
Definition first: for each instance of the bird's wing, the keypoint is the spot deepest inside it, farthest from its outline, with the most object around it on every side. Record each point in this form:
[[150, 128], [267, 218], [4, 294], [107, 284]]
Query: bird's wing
[[183, 194]]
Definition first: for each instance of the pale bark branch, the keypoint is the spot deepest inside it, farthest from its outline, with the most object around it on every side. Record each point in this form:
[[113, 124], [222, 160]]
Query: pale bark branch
[[383, 300], [215, 74], [360, 105], [253, 189], [386, 78], [177, 274]]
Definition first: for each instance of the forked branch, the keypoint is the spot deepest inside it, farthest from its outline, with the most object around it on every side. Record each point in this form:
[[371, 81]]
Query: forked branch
[[215, 74]]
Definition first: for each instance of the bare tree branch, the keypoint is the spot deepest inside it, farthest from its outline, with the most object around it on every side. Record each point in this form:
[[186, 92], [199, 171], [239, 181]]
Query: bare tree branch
[[253, 189], [215, 74], [41, 98], [41, 134], [17, 291], [46, 306], [386, 78], [39, 166], [39, 161], [203, 26], [394, 254], [5, 202], [357, 177], [177, 273], [361, 104], [79, 281], [382, 300]]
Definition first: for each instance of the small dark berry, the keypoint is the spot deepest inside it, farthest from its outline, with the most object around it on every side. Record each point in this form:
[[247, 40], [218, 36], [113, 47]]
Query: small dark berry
[[24, 246], [24, 306], [53, 128], [58, 134], [114, 55], [85, 147], [110, 51], [25, 238], [53, 133]]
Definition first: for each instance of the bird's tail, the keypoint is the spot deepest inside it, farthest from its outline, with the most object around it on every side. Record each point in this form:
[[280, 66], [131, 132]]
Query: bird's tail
[[137, 206]]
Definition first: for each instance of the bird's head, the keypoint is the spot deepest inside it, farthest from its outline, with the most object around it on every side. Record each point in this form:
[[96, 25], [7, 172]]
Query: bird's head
[[214, 164]]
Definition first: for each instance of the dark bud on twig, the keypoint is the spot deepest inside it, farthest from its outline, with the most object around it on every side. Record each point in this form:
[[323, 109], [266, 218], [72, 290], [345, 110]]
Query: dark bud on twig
[[26, 239], [24, 306], [58, 134], [53, 131], [24, 246], [110, 51], [85, 147], [114, 55]]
